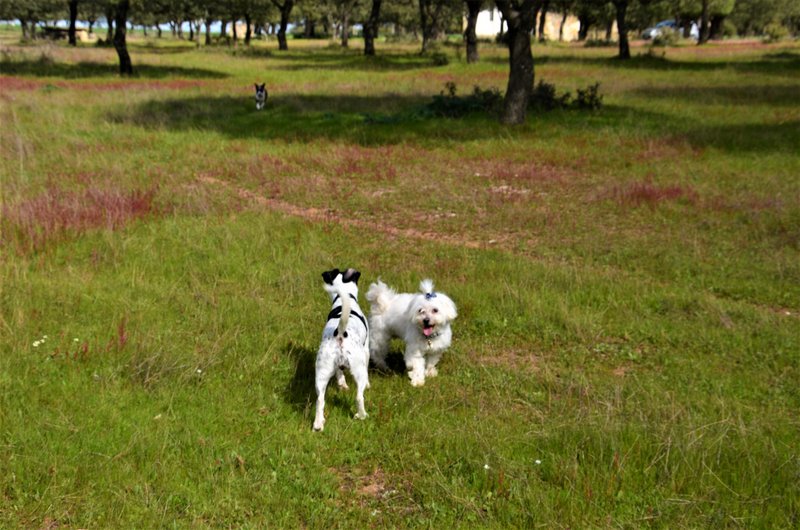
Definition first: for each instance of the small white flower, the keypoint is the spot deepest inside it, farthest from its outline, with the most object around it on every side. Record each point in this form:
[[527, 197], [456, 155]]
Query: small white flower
[[44, 337], [485, 466], [76, 339], [199, 371], [36, 344], [537, 462]]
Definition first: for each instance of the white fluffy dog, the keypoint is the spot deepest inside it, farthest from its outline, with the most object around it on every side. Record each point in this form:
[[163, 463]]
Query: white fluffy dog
[[345, 342], [421, 319]]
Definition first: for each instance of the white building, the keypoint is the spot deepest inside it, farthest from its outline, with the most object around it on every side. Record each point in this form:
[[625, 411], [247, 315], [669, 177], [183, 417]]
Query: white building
[[490, 24]]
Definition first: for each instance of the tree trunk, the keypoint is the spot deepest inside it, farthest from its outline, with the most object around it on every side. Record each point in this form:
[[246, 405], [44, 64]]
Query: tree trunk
[[371, 28], [191, 31], [248, 33], [120, 43], [583, 28], [110, 22], [73, 16], [470, 36], [715, 29], [208, 31], [703, 24], [561, 26], [345, 30], [24, 25], [429, 21], [235, 33], [622, 29], [423, 19], [543, 20], [286, 11], [521, 21]]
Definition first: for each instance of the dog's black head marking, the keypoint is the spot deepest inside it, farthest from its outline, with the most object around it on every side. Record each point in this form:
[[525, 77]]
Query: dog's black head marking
[[330, 275], [351, 275]]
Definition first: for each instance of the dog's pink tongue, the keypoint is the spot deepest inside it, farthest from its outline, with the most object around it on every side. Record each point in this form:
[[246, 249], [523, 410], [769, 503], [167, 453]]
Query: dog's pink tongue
[[427, 331]]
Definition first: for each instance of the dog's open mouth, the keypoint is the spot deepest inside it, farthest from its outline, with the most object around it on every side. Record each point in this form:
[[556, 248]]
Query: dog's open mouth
[[427, 330]]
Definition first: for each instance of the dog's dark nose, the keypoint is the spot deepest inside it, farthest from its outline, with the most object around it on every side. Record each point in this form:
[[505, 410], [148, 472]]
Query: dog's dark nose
[[426, 321]]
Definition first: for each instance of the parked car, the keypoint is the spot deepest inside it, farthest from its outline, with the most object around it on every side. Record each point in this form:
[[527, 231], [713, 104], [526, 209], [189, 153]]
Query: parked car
[[669, 25]]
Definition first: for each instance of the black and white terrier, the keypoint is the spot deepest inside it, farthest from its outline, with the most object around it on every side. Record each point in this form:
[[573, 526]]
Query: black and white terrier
[[421, 319], [345, 342], [261, 95]]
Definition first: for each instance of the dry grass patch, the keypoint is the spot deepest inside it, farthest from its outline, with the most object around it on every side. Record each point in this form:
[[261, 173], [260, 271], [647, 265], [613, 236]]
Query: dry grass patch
[[57, 213]]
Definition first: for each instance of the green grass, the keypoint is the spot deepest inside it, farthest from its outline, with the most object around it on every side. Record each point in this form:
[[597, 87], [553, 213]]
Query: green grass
[[628, 284]]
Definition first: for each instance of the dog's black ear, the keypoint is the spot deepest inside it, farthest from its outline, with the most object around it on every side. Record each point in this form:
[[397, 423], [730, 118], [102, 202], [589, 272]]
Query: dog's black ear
[[351, 275], [255, 85], [329, 276]]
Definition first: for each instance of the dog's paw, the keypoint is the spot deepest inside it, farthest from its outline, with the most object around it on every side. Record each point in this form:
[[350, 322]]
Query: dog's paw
[[417, 381], [431, 371], [318, 426], [361, 416]]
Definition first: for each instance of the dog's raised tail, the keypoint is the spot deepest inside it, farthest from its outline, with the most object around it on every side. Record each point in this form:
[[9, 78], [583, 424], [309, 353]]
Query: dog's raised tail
[[378, 296], [341, 329], [426, 286]]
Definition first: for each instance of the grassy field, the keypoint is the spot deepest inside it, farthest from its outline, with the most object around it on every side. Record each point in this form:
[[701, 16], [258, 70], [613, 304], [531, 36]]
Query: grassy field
[[627, 352]]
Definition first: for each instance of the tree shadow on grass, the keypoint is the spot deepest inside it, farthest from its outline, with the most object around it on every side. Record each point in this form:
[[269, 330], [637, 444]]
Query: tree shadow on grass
[[749, 138], [375, 120], [320, 60], [388, 120], [785, 64], [746, 95], [47, 68]]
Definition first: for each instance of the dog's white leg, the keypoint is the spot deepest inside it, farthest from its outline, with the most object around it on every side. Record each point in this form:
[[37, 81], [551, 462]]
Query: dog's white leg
[[415, 363], [430, 364], [362, 382], [340, 380], [323, 375]]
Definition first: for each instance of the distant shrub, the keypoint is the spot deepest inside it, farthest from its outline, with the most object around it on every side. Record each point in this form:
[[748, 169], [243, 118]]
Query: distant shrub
[[729, 29], [775, 32], [440, 59], [545, 97], [598, 43], [589, 98], [449, 105], [249, 51], [666, 38]]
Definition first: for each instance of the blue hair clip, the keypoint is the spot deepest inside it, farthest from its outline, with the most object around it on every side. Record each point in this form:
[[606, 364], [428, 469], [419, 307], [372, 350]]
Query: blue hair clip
[[428, 296]]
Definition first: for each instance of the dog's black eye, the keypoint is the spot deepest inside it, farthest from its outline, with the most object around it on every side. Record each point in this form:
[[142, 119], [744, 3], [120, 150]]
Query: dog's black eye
[[435, 310]]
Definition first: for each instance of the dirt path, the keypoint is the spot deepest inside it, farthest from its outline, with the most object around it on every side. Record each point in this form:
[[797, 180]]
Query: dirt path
[[328, 215]]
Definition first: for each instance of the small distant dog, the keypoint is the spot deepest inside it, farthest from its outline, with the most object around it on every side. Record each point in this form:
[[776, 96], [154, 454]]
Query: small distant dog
[[422, 320], [261, 95], [345, 342]]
